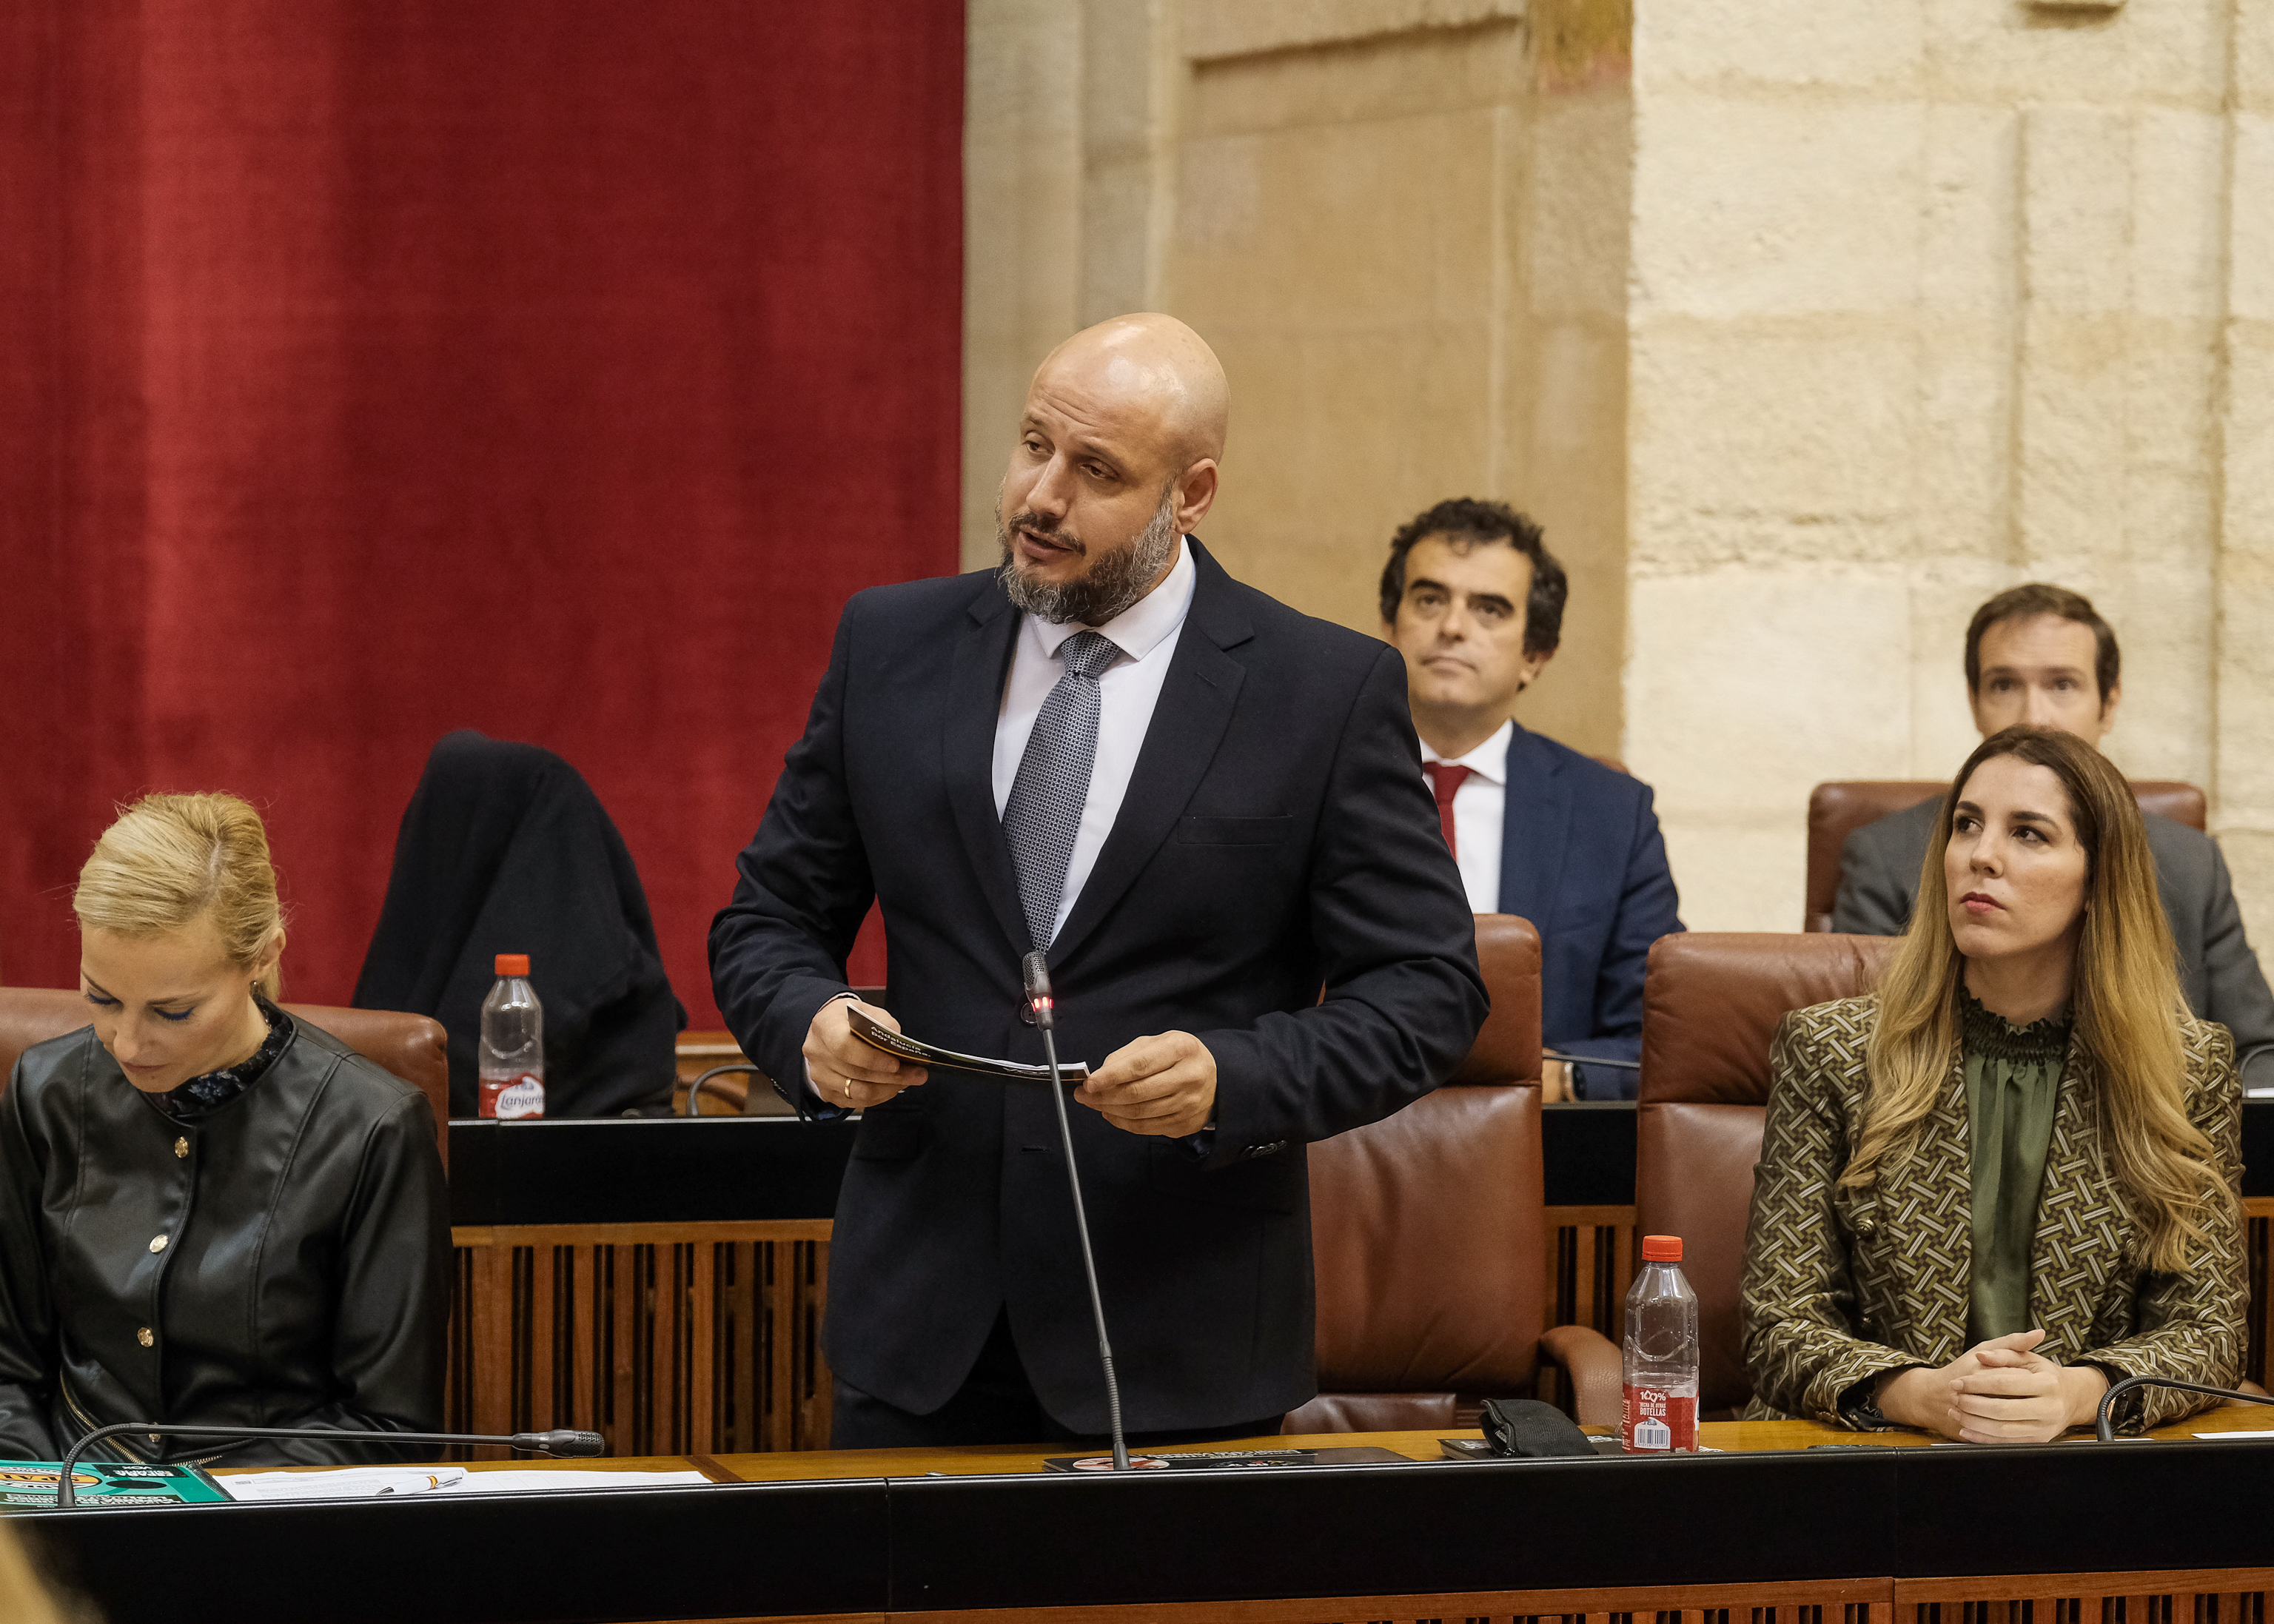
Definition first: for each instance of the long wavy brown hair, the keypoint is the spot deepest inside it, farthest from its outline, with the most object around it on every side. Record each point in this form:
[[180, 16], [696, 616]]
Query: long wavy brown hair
[[2125, 999]]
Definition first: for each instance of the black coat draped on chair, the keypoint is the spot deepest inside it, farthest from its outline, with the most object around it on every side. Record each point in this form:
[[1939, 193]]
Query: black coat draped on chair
[[504, 848]]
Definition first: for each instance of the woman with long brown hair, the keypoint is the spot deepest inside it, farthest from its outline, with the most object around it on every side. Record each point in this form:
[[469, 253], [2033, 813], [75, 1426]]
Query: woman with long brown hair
[[2010, 1177]]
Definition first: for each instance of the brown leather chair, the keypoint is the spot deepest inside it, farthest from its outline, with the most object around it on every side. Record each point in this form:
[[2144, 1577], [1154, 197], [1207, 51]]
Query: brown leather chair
[[414, 1048], [1428, 1239], [1837, 810], [1711, 1005]]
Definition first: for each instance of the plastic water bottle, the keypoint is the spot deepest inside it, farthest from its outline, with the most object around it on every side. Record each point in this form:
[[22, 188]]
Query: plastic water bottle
[[1660, 1414], [513, 1044]]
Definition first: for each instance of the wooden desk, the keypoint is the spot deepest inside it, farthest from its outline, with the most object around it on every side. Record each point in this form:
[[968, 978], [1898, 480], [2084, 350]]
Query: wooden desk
[[1770, 1532], [664, 1282]]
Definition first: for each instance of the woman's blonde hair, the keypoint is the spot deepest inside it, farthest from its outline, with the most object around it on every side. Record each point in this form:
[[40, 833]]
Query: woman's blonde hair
[[172, 859], [25, 1597], [2124, 1001]]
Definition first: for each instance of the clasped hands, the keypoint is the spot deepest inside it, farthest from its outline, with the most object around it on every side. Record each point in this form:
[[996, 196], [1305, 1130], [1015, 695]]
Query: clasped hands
[[1163, 1085], [1998, 1392]]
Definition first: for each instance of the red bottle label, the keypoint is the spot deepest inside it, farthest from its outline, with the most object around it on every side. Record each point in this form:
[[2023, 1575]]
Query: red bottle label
[[1656, 1422], [509, 1097]]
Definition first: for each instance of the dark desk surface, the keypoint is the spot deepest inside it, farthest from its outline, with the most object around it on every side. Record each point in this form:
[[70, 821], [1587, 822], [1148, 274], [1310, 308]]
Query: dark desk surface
[[864, 1532], [694, 1169]]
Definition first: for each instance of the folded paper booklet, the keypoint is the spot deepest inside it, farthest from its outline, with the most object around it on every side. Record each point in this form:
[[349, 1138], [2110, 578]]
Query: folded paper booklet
[[372, 1482], [1234, 1460], [32, 1483], [902, 1047]]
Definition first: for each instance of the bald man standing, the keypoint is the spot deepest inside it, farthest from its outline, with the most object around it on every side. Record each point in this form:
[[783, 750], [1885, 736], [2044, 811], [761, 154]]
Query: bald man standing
[[1205, 808]]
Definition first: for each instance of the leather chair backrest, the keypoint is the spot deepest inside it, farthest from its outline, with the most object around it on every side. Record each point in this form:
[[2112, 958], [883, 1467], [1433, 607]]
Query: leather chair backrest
[[414, 1048], [1711, 1005], [1428, 1234], [1837, 810], [1507, 1050]]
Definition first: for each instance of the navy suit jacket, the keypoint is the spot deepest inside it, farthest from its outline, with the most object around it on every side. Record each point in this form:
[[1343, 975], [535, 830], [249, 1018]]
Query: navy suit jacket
[[1277, 839], [1581, 858]]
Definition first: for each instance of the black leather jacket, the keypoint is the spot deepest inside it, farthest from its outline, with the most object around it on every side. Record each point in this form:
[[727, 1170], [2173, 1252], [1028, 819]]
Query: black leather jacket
[[304, 1278]]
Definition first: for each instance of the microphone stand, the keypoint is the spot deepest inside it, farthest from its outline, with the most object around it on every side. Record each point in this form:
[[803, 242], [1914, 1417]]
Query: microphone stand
[[556, 1443], [2105, 1430], [1037, 967]]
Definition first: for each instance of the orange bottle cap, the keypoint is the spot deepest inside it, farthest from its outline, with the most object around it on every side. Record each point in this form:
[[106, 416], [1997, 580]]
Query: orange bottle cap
[[1661, 1248], [517, 964]]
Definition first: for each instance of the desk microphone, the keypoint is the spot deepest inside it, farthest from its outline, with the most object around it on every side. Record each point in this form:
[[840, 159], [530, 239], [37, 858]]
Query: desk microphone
[[567, 1443], [2106, 1432], [1036, 969]]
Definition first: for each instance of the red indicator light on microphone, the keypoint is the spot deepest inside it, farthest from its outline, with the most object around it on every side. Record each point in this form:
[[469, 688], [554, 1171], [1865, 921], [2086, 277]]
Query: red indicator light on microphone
[[1042, 1003]]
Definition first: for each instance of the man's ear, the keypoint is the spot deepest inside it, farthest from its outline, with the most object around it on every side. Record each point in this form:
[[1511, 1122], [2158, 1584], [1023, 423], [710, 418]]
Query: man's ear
[[1534, 665], [1195, 493], [2108, 708]]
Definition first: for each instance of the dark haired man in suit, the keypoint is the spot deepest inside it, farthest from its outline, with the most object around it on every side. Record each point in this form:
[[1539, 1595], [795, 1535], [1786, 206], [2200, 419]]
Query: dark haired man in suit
[[1206, 808], [2042, 654], [1474, 600]]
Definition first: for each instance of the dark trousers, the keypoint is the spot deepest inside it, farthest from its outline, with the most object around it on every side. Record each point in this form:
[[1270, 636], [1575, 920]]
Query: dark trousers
[[995, 1405]]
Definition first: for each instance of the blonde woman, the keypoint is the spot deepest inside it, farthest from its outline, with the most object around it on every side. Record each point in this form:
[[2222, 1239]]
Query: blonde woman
[[210, 1212], [2010, 1177]]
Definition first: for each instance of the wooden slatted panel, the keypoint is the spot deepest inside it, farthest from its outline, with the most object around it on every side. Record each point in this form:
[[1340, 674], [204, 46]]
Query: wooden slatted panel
[[663, 1337], [2223, 1596]]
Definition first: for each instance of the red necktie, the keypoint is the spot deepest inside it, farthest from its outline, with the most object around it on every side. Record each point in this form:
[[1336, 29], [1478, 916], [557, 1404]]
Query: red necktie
[[1445, 780]]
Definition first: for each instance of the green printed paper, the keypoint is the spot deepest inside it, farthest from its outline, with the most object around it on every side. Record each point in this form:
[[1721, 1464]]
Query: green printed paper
[[27, 1483]]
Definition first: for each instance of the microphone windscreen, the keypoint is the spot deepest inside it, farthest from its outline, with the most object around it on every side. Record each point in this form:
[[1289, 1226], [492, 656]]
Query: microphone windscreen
[[561, 1442]]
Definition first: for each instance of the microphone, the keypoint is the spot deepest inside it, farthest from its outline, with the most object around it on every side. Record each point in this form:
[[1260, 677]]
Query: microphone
[[1036, 969], [2106, 1431], [562, 1442]]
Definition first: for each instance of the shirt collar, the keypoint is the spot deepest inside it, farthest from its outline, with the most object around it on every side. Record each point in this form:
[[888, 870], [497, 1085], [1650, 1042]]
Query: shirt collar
[[1488, 761], [1142, 627]]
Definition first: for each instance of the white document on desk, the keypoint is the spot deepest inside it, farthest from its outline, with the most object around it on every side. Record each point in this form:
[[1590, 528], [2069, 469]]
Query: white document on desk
[[372, 1482]]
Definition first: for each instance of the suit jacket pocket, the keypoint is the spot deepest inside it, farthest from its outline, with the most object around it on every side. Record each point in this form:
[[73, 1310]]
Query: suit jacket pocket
[[892, 1135], [1273, 1184], [1233, 830]]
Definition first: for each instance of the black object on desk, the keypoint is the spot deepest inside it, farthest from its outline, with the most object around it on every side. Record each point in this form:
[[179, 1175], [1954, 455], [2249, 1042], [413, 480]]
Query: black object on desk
[[710, 1168], [656, 1170], [1435, 1528]]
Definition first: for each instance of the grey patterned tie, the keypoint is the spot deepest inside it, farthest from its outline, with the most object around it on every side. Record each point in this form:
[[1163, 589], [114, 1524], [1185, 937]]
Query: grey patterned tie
[[1042, 813]]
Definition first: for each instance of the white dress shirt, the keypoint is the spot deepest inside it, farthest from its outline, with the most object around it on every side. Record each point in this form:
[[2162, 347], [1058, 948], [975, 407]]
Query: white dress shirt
[[1146, 633], [1478, 806]]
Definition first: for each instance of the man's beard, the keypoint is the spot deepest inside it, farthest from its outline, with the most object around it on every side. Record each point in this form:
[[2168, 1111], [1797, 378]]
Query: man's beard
[[1114, 580]]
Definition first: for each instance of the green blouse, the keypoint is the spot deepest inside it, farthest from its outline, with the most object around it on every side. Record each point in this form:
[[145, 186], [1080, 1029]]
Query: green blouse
[[2012, 1081]]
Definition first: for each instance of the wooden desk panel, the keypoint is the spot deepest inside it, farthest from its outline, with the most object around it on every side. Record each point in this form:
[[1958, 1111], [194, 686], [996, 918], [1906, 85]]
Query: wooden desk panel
[[1517, 1542], [662, 1338], [709, 1335]]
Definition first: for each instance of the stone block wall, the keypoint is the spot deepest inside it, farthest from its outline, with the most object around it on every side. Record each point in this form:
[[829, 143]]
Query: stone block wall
[[1931, 297], [1804, 325]]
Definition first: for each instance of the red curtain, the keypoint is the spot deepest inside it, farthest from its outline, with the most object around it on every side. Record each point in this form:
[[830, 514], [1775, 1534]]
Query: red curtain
[[551, 367]]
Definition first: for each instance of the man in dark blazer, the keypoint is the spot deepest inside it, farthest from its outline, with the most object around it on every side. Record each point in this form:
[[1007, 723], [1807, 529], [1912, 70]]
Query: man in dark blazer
[[1474, 600], [1207, 807], [2042, 654]]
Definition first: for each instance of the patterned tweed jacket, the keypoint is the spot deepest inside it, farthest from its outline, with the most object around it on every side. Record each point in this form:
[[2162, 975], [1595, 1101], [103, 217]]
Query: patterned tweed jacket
[[1841, 1284]]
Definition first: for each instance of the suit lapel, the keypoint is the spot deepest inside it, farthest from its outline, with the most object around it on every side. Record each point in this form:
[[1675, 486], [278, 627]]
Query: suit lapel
[[1189, 720], [2083, 1230], [975, 701], [1535, 820]]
